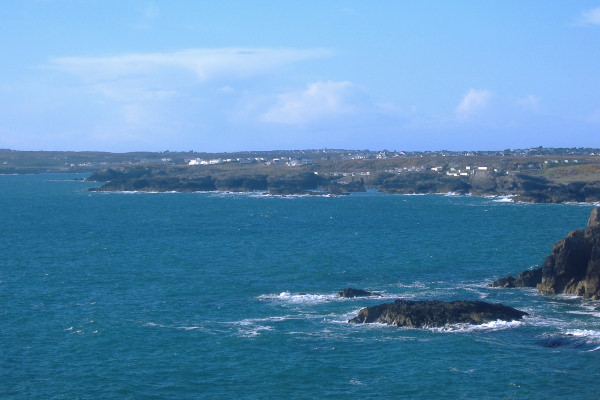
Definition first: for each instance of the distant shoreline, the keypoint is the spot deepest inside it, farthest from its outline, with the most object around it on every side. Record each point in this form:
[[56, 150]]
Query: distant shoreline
[[536, 175]]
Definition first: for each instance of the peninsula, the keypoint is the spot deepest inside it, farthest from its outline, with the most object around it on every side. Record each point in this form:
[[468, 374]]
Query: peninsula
[[538, 175]]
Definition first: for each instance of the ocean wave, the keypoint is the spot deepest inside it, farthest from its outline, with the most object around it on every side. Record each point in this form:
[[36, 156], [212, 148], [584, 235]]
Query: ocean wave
[[310, 298], [252, 327], [297, 298], [416, 284], [183, 328], [502, 199], [488, 326], [592, 313], [222, 193], [586, 340]]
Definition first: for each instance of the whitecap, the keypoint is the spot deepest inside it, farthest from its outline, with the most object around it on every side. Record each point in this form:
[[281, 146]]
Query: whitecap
[[152, 324], [253, 321], [488, 326], [465, 371], [502, 199], [589, 334], [255, 331], [298, 298], [416, 284], [311, 298], [593, 314], [357, 382], [586, 340], [188, 328]]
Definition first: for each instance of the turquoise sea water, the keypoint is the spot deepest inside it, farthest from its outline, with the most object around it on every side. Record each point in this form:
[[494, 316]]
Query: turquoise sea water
[[212, 295]]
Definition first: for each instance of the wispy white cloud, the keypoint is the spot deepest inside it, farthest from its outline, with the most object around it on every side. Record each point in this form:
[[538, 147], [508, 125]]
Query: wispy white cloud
[[473, 102], [145, 74], [319, 100], [203, 63], [529, 102], [590, 17], [143, 77]]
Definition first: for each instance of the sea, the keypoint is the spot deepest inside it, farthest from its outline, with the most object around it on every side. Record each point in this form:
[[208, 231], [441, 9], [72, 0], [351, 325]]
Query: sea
[[125, 295]]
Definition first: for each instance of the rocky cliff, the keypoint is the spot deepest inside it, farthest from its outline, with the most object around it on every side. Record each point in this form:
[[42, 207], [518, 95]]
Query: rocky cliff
[[573, 266]]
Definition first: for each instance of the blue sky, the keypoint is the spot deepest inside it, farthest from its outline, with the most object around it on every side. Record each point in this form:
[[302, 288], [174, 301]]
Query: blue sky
[[127, 75]]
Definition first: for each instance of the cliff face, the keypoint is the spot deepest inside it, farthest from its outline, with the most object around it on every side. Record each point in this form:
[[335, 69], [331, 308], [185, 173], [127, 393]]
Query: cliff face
[[573, 266]]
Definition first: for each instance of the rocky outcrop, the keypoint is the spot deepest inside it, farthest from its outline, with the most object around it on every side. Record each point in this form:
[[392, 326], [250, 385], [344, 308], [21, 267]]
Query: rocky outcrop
[[532, 189], [350, 292], [189, 179], [434, 313], [525, 279], [573, 266]]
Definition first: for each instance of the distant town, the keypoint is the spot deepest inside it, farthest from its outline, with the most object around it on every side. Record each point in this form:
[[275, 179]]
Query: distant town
[[451, 163]]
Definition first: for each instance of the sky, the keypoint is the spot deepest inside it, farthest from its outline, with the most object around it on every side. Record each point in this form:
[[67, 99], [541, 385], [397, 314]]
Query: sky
[[227, 75]]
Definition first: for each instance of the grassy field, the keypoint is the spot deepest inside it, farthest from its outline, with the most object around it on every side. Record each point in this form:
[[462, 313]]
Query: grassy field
[[570, 173]]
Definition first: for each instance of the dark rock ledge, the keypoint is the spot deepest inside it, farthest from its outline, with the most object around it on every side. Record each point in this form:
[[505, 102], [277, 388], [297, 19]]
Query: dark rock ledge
[[573, 266], [350, 292], [434, 313]]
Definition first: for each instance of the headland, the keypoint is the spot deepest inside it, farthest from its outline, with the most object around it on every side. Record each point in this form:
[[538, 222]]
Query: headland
[[537, 175]]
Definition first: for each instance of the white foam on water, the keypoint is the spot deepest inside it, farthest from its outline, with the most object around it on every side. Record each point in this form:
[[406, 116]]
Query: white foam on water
[[249, 321], [219, 193], [357, 382], [183, 328], [152, 324], [465, 371], [344, 318], [593, 314], [252, 327], [586, 340], [416, 284], [255, 331], [488, 326], [592, 336], [188, 328], [502, 199], [298, 298], [312, 298], [536, 319]]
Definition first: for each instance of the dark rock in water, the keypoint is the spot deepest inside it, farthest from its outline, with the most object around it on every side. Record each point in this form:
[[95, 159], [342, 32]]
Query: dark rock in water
[[524, 279], [350, 292], [434, 313], [568, 341], [573, 266]]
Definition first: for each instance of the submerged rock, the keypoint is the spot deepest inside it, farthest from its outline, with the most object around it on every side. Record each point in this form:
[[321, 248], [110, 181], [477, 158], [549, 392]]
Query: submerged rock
[[573, 266], [434, 313], [350, 292]]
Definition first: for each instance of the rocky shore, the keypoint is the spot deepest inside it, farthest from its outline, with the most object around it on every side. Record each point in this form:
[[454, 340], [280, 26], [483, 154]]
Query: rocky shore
[[184, 179], [282, 181], [573, 266]]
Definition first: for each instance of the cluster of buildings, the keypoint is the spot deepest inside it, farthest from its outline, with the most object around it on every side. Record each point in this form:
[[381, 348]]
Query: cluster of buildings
[[289, 161]]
